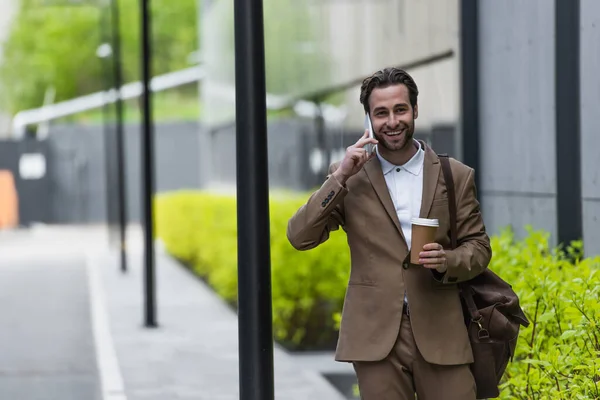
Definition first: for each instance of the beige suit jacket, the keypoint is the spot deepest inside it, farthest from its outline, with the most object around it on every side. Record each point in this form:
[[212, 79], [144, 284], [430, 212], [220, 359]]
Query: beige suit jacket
[[379, 272]]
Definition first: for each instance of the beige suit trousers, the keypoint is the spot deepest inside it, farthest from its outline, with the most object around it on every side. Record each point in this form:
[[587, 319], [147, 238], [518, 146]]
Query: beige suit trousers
[[404, 373]]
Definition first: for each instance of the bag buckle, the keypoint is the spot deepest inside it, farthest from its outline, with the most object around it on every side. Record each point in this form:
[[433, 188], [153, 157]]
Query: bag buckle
[[482, 333]]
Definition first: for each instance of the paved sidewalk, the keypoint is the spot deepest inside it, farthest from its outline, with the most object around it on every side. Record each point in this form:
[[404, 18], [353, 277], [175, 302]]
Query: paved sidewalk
[[72, 327], [193, 354], [47, 350]]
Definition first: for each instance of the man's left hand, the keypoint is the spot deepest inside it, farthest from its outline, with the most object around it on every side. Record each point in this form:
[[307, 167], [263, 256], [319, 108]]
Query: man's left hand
[[433, 256]]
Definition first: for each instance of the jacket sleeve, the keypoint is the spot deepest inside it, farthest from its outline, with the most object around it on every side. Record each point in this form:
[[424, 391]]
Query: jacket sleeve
[[473, 252], [323, 212]]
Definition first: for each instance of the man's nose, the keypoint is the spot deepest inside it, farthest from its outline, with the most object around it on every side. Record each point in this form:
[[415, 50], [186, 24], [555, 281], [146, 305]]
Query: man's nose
[[393, 121]]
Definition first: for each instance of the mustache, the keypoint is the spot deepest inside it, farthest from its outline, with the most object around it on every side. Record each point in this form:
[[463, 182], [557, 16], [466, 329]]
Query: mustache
[[399, 127]]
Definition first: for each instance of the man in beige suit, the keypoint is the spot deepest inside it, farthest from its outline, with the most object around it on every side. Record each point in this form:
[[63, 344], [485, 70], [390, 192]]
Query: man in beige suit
[[402, 324]]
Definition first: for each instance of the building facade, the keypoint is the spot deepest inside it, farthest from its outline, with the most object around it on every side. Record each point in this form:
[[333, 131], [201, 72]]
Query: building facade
[[498, 90], [520, 103]]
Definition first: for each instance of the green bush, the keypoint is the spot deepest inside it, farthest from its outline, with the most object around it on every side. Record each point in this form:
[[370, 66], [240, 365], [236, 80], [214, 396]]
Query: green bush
[[558, 355], [308, 287]]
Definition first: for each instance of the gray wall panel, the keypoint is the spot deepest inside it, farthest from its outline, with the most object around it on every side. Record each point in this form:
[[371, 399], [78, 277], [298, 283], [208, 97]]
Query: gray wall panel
[[518, 113], [590, 97], [517, 212], [590, 123], [591, 227]]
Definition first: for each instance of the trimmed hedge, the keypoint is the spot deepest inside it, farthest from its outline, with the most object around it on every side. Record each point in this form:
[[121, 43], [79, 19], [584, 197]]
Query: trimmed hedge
[[308, 287], [558, 355]]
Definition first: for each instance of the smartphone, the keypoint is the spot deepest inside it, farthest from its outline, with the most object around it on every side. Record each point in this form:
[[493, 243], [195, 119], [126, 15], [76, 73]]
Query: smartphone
[[368, 125]]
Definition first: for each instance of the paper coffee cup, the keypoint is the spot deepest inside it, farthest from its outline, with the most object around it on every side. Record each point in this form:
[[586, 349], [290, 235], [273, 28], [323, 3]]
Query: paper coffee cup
[[423, 232]]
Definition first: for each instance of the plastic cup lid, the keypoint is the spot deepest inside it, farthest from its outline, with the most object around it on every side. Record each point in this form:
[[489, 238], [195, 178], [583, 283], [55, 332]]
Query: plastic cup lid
[[425, 222]]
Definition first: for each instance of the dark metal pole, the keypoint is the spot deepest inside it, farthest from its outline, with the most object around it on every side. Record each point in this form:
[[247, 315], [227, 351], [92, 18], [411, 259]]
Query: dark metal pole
[[469, 76], [106, 84], [568, 125], [118, 73], [148, 169], [254, 264], [322, 141]]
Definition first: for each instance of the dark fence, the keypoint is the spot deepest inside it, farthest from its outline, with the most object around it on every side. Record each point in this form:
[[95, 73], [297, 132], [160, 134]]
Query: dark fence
[[30, 164], [79, 183]]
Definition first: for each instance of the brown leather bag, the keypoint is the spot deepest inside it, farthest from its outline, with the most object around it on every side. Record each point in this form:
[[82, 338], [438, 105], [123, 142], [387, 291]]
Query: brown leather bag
[[492, 313]]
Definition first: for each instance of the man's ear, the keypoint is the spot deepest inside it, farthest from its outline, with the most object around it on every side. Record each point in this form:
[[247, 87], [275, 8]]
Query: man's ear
[[416, 111]]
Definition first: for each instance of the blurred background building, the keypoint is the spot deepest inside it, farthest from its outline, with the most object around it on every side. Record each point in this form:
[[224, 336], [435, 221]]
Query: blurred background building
[[368, 35], [494, 70]]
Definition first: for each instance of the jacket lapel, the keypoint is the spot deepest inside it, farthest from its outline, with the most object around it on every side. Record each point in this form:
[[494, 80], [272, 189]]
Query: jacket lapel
[[375, 175], [431, 173]]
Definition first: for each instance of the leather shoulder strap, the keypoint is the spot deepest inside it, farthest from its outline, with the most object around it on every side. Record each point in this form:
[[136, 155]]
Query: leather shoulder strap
[[449, 179], [465, 289]]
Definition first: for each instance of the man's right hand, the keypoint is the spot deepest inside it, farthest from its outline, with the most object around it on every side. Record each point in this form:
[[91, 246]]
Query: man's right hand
[[356, 156]]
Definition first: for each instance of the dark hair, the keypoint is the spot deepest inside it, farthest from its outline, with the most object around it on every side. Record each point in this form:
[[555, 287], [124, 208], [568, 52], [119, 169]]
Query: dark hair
[[387, 77]]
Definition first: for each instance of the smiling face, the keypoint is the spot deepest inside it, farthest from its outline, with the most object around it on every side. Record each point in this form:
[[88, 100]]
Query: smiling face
[[393, 118]]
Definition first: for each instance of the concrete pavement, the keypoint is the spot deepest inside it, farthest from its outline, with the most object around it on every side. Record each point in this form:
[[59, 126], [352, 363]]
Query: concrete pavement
[[46, 340], [98, 331]]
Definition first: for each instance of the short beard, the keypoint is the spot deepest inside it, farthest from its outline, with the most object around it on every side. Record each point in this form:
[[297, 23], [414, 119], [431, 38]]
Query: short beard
[[408, 139]]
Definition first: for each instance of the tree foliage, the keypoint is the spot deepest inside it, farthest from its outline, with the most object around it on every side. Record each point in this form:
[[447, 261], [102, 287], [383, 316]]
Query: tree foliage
[[54, 46]]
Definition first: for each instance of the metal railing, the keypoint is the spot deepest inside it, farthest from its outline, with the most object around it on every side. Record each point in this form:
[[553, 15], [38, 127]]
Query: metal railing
[[160, 83], [301, 107]]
